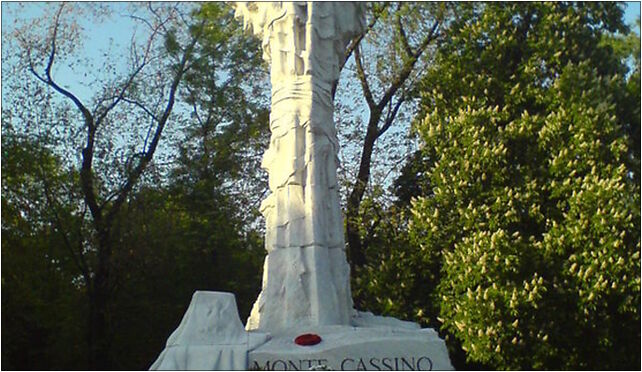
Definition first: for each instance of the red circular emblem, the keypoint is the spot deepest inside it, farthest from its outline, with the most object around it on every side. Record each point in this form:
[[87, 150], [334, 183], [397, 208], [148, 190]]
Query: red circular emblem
[[307, 339]]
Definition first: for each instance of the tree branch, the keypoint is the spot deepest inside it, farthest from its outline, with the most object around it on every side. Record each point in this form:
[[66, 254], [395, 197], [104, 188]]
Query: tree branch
[[35, 73], [403, 37], [158, 17], [121, 95], [142, 107], [87, 153], [407, 68], [146, 22], [80, 247], [356, 251], [354, 43], [49, 80], [132, 76], [149, 153], [149, 132], [363, 79], [80, 264], [390, 117], [53, 42], [431, 36], [357, 40]]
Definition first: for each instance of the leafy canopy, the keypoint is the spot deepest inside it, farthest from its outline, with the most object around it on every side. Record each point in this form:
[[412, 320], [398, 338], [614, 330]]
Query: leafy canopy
[[533, 213]]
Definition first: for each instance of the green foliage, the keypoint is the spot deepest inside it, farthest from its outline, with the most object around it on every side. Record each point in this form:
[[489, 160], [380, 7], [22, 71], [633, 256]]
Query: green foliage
[[171, 241], [534, 209], [522, 237], [174, 243], [41, 298], [393, 282], [182, 228], [227, 93]]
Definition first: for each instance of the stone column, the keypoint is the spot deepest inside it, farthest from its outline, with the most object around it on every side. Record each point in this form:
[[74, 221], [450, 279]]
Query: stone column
[[306, 278]]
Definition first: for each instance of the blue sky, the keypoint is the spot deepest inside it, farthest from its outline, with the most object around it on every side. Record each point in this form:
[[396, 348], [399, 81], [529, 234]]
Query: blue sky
[[632, 13], [119, 28]]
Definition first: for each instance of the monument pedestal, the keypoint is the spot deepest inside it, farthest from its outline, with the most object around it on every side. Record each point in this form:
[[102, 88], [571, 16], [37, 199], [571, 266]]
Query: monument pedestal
[[354, 348], [211, 337]]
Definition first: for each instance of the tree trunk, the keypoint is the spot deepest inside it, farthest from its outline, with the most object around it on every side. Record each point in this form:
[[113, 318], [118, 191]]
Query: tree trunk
[[99, 297], [355, 247], [99, 353]]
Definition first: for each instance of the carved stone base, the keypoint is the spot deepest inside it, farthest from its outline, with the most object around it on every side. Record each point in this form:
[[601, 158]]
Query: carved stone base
[[211, 337], [354, 348]]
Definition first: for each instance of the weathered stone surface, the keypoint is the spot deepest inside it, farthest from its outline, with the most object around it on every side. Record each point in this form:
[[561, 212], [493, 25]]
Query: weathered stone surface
[[307, 284], [209, 337], [352, 348], [306, 278], [369, 320]]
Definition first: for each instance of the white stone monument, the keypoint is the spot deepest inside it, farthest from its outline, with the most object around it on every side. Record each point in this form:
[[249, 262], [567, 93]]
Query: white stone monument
[[306, 277]]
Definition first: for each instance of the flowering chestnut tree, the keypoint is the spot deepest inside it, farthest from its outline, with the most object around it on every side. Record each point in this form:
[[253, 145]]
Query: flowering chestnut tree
[[534, 209]]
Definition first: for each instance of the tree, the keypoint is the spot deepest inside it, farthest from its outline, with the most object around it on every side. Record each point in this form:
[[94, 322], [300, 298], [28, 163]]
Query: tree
[[392, 280], [173, 243], [399, 37], [228, 93], [38, 280], [533, 212], [141, 101], [627, 48], [173, 225]]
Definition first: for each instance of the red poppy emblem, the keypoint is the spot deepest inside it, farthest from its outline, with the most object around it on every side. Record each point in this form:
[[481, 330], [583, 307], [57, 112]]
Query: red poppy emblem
[[307, 339]]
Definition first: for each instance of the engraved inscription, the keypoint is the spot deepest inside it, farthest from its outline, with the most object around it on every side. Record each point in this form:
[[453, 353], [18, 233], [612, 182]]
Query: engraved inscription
[[384, 363]]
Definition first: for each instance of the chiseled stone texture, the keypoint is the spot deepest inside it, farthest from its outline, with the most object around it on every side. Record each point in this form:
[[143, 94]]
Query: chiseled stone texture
[[377, 347], [306, 276], [209, 337]]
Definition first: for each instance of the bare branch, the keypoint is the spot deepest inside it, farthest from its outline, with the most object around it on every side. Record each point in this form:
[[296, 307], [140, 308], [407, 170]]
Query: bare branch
[[146, 22], [140, 106], [53, 42], [357, 255], [33, 71], [431, 36], [354, 43], [407, 68], [133, 75], [396, 165], [86, 175], [149, 132], [363, 79], [390, 117], [402, 34], [49, 80], [149, 152], [357, 40], [158, 16], [184, 17], [121, 95]]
